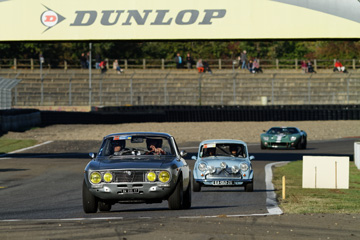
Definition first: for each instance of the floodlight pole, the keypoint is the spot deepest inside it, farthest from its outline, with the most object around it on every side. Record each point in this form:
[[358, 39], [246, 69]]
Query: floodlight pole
[[90, 89]]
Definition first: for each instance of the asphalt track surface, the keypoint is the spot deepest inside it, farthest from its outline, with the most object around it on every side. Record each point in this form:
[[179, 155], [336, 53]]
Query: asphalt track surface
[[40, 191]]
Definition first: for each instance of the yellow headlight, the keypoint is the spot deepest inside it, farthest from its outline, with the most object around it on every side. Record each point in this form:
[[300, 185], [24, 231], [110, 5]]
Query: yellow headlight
[[151, 176], [108, 177], [95, 177], [164, 176]]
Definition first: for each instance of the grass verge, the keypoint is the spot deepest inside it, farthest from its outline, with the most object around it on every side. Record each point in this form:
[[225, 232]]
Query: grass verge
[[299, 200], [9, 145]]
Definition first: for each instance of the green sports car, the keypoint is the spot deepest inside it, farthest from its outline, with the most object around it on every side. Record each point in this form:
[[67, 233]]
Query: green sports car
[[283, 137]]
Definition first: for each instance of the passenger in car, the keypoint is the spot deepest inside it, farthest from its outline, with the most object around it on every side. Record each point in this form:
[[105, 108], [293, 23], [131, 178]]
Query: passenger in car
[[154, 147]]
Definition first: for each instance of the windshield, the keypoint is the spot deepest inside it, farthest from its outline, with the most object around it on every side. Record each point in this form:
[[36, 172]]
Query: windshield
[[136, 145], [282, 131], [223, 149]]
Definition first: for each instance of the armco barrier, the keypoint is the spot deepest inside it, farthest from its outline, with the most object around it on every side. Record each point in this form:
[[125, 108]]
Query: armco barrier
[[111, 115], [19, 120]]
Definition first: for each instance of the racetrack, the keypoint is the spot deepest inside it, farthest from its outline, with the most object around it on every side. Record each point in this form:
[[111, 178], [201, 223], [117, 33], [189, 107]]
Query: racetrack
[[41, 191]]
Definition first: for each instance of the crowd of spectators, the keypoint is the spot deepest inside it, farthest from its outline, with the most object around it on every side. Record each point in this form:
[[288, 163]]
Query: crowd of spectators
[[243, 62]]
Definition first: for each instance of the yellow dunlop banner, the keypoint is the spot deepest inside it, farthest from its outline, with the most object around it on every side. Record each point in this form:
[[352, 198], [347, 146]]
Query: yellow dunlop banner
[[44, 20]]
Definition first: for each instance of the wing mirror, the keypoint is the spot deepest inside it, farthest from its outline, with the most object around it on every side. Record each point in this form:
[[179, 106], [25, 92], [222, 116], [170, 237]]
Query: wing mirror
[[183, 153], [251, 157], [193, 158], [92, 155]]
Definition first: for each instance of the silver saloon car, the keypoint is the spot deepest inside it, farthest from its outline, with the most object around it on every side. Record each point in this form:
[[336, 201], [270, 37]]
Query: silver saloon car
[[223, 163], [136, 167]]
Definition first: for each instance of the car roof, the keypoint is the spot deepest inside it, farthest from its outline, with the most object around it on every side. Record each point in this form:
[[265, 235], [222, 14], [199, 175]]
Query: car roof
[[159, 134], [222, 141]]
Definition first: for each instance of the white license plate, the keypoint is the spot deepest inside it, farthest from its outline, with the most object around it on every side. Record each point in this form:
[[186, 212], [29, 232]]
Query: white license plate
[[223, 182], [130, 190]]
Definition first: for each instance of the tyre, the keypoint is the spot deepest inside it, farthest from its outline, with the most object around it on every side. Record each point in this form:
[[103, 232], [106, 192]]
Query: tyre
[[249, 187], [104, 206], [300, 144], [304, 144], [90, 202], [196, 185], [176, 198], [187, 197], [262, 146]]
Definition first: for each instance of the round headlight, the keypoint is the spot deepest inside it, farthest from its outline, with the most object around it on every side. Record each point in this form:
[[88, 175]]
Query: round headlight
[[244, 167], [235, 169], [95, 177], [202, 167], [293, 138], [164, 176], [108, 177], [266, 138], [151, 176], [223, 165], [211, 169]]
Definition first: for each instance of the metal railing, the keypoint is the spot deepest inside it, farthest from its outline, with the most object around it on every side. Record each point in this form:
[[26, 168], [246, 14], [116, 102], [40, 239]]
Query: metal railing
[[6, 85], [170, 64]]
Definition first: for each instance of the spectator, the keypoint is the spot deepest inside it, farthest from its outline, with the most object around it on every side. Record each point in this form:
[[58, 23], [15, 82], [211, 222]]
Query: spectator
[[250, 66], [116, 67], [243, 59], [200, 66], [239, 62], [207, 67], [97, 61], [103, 66], [83, 61], [189, 61], [338, 67], [310, 68], [178, 61], [88, 60], [256, 67], [304, 66]]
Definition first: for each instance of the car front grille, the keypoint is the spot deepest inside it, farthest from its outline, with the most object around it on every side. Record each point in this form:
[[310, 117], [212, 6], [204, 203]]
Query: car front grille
[[129, 176], [220, 174]]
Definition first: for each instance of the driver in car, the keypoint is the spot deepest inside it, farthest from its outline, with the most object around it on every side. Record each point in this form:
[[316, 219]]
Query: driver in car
[[119, 147]]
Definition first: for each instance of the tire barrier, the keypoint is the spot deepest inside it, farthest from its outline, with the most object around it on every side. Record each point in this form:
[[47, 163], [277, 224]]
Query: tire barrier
[[136, 114], [18, 120]]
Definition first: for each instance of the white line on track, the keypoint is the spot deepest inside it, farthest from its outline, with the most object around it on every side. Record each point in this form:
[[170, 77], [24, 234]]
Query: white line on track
[[6, 156], [271, 205]]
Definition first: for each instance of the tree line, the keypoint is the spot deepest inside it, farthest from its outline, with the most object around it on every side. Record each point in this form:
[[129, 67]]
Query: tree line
[[71, 51]]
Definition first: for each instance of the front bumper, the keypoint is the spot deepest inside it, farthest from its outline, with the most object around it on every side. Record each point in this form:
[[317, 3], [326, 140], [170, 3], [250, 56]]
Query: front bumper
[[212, 182], [132, 191], [269, 144]]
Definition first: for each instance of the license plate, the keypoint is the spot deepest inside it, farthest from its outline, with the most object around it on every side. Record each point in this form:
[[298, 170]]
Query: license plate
[[223, 182], [130, 190]]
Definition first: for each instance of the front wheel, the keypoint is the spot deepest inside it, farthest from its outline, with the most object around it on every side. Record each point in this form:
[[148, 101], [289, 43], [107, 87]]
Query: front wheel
[[176, 198], [90, 202], [249, 187], [196, 185], [187, 197], [304, 144], [104, 206], [262, 146]]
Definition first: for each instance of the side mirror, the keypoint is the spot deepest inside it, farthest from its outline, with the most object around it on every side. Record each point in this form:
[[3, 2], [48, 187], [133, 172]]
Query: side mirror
[[251, 157], [183, 153], [92, 155], [264, 130], [193, 158]]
